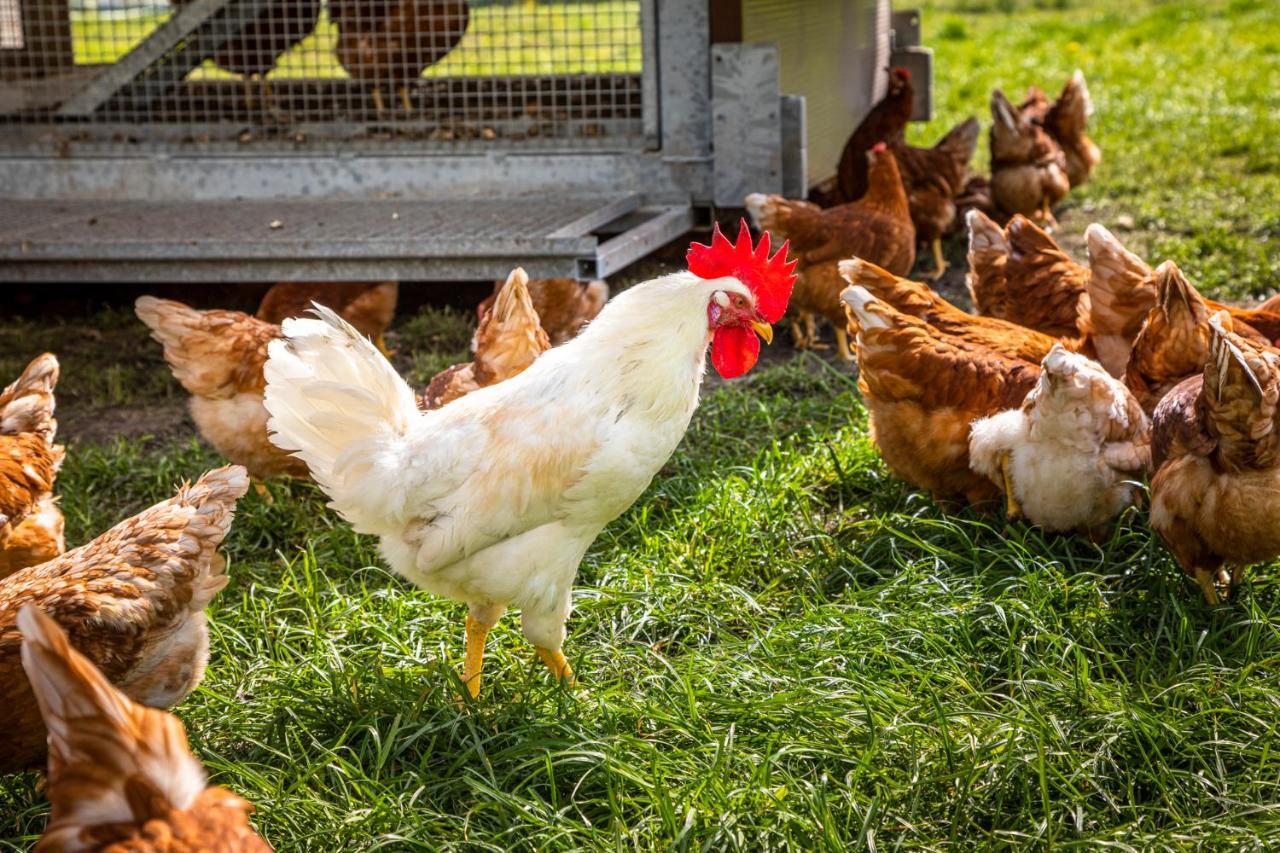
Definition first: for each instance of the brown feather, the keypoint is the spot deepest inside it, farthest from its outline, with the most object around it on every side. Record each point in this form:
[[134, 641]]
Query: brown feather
[[131, 600]]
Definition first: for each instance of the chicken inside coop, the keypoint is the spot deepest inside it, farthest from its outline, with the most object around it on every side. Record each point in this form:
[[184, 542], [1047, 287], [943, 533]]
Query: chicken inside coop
[[389, 43]]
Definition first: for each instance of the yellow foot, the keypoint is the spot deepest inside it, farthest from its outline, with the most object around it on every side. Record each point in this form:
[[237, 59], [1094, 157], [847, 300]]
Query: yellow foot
[[381, 343], [379, 104], [939, 262], [1205, 579], [842, 345], [1012, 511], [262, 490], [558, 665], [404, 100]]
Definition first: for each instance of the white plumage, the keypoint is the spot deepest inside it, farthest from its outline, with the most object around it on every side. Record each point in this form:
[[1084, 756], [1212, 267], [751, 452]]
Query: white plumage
[[494, 498]]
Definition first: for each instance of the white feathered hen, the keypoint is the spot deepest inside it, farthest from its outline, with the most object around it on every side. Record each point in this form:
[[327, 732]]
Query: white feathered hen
[[1067, 458], [494, 499]]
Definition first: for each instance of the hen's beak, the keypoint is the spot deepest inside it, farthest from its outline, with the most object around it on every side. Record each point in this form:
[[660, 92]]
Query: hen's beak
[[763, 329]]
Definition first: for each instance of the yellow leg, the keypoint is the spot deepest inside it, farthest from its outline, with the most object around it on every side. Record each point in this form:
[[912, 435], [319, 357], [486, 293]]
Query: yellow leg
[[378, 103], [842, 344], [557, 664], [939, 262], [381, 343], [261, 488], [797, 332], [1204, 577], [810, 328], [247, 83], [404, 100], [1012, 511], [474, 662]]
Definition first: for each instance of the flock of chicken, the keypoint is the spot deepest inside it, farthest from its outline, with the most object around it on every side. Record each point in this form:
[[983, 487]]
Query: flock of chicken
[[1068, 386], [380, 42], [1070, 383]]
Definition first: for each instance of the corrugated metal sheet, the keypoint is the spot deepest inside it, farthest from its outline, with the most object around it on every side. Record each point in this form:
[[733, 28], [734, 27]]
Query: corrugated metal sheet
[[833, 53]]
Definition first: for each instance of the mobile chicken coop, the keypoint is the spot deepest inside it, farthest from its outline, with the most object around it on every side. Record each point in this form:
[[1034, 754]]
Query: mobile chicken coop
[[271, 140]]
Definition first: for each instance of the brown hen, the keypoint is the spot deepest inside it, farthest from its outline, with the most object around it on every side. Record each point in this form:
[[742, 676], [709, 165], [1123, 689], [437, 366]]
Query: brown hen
[[507, 341], [1020, 274], [31, 524], [923, 389], [1065, 120], [218, 358], [934, 178], [1216, 491], [920, 300], [887, 119], [563, 305], [1122, 290], [1028, 169], [391, 42], [131, 600], [1174, 340], [876, 227], [121, 776], [370, 307]]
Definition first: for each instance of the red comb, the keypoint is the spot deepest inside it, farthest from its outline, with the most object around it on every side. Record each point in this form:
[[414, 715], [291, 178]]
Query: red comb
[[903, 73], [879, 146], [769, 278]]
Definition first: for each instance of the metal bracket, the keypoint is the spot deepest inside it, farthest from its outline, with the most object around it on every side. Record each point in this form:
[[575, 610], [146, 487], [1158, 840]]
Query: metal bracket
[[160, 62], [907, 53], [795, 151]]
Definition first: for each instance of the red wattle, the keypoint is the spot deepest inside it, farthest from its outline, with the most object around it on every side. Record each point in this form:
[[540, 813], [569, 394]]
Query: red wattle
[[734, 350]]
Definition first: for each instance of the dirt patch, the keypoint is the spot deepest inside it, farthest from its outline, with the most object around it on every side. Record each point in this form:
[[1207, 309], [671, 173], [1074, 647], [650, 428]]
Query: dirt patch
[[102, 424]]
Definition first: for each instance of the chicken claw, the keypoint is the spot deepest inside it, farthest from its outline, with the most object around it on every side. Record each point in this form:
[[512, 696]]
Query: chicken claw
[[381, 343], [558, 664], [842, 345], [1012, 511]]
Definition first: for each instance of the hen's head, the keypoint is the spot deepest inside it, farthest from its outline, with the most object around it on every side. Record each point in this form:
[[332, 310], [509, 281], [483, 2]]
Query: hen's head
[[899, 81], [750, 290]]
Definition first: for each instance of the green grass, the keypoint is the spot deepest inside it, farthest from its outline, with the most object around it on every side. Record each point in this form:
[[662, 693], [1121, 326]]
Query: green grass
[[780, 645], [576, 37]]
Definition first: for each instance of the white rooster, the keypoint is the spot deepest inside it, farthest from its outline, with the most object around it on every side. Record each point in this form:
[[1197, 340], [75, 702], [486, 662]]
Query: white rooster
[[494, 499]]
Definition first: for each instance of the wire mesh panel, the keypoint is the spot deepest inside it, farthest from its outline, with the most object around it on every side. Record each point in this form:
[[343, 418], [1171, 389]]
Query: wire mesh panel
[[302, 75]]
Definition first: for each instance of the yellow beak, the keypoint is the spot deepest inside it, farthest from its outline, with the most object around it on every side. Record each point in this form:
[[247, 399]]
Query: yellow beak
[[763, 329]]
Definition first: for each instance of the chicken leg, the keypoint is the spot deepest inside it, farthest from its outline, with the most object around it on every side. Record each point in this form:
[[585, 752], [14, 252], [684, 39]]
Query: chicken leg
[[1012, 511], [404, 100], [558, 664], [379, 105], [842, 344], [381, 343], [939, 262], [477, 633], [1206, 580]]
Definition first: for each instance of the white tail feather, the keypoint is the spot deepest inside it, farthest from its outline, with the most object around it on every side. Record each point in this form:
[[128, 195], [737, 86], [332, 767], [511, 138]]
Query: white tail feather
[[329, 391]]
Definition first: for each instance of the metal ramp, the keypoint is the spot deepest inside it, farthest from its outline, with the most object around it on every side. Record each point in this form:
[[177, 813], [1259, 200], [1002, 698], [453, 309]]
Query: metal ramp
[[452, 239]]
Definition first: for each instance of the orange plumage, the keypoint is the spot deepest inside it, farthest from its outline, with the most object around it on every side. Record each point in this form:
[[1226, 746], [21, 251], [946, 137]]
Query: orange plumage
[[1216, 490], [121, 776], [923, 389], [563, 305], [506, 341], [876, 227], [1028, 169], [218, 358], [1020, 274], [31, 524], [131, 600], [369, 306], [920, 300], [934, 178]]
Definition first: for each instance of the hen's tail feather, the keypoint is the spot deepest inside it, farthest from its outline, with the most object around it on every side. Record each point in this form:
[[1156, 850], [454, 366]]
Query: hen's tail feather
[[27, 405], [213, 498], [334, 400], [99, 739]]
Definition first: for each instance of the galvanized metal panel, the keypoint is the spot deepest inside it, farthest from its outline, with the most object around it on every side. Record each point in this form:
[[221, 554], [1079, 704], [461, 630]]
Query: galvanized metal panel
[[684, 82], [833, 53], [746, 121]]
